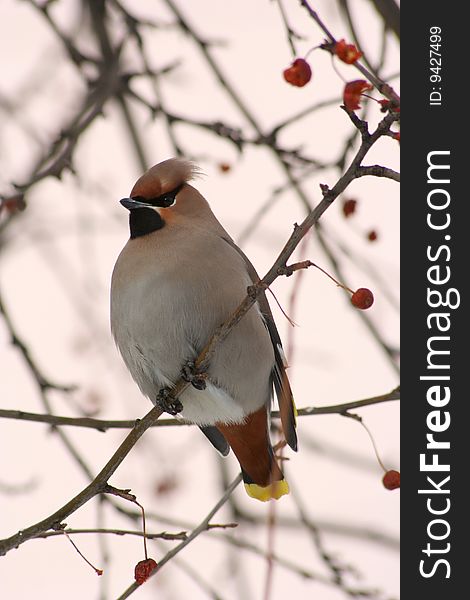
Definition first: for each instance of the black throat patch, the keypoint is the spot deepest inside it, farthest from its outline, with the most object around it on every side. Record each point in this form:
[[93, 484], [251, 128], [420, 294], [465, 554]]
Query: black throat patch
[[143, 221]]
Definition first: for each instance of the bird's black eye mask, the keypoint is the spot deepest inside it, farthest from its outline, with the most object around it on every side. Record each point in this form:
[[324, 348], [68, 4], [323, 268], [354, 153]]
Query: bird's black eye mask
[[163, 201]]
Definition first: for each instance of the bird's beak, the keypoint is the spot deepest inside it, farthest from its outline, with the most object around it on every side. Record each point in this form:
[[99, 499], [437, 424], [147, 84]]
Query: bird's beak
[[131, 204]]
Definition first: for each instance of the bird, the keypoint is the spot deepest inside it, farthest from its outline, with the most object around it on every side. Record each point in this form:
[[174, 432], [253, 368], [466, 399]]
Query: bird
[[177, 279]]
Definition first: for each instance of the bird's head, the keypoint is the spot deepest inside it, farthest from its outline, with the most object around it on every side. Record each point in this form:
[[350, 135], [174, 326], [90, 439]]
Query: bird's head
[[154, 197]]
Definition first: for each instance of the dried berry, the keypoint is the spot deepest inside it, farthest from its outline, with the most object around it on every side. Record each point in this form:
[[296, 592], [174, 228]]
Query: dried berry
[[143, 569], [349, 207], [348, 53], [391, 480], [299, 73], [388, 105], [353, 91]]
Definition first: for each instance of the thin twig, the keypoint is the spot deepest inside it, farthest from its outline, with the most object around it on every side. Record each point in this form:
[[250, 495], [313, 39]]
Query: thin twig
[[97, 486], [378, 171], [103, 425], [43, 382], [182, 535], [289, 31], [194, 534]]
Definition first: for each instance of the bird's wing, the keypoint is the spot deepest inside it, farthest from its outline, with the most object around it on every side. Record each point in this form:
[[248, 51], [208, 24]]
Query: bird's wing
[[279, 375], [216, 438]]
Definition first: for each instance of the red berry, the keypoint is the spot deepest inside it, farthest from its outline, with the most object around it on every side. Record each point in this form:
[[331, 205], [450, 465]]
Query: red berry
[[353, 91], [362, 298], [372, 236], [391, 480], [387, 105], [348, 53], [13, 204], [224, 167], [299, 73], [143, 569], [349, 207], [166, 485]]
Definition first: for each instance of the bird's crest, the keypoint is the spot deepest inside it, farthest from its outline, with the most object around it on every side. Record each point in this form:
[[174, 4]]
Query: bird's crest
[[165, 177]]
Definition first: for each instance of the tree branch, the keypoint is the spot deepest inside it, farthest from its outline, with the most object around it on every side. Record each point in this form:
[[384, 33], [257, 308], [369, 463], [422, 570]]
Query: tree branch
[[203, 526], [96, 487], [103, 425], [378, 171]]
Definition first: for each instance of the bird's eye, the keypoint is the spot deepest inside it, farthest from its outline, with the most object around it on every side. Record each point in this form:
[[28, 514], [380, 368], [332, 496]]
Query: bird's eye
[[167, 200], [163, 201]]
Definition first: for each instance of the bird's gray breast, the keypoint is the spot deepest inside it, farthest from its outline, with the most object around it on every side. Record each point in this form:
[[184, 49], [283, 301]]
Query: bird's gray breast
[[165, 308]]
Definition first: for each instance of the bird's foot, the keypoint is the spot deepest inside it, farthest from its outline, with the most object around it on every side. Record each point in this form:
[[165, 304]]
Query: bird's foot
[[191, 374], [167, 403]]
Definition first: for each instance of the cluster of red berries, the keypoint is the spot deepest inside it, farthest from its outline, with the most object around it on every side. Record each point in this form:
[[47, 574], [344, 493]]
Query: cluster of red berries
[[300, 73]]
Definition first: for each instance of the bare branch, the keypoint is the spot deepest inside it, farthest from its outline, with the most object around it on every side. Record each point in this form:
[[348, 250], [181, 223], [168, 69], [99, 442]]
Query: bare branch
[[164, 535], [103, 425], [41, 380], [96, 487], [378, 171], [203, 526]]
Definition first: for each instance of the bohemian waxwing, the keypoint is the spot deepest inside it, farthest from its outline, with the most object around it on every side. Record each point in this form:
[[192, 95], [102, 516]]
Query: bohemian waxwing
[[177, 279]]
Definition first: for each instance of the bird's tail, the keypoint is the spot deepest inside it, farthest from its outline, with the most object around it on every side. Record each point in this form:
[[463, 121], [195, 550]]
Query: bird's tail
[[250, 442]]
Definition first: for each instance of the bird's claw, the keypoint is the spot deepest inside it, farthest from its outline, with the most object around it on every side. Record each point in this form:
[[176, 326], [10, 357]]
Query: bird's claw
[[167, 403], [190, 374]]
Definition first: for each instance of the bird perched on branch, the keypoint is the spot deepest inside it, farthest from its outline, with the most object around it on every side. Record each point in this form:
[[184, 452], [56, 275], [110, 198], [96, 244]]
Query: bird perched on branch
[[178, 278]]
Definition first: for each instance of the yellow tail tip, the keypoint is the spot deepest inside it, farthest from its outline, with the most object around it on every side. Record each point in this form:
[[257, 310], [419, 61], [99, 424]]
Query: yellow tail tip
[[296, 414], [274, 491]]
